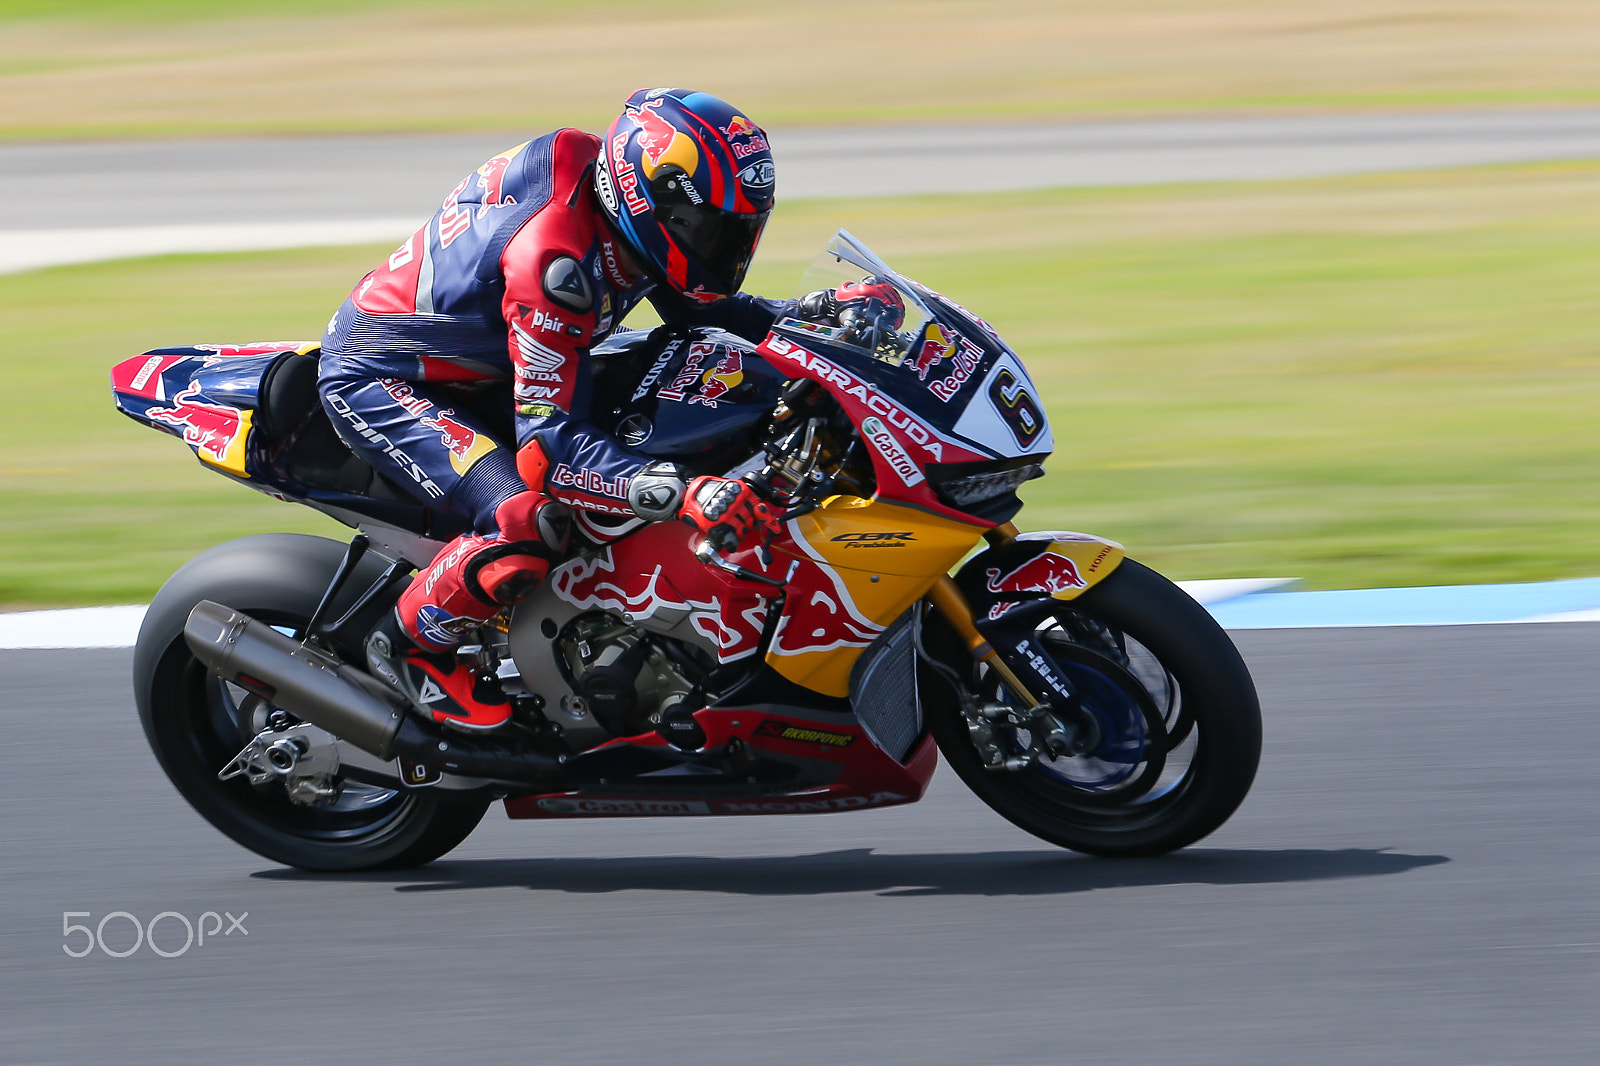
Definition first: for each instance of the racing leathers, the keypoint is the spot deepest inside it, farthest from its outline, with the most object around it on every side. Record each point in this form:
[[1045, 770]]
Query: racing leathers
[[510, 283]]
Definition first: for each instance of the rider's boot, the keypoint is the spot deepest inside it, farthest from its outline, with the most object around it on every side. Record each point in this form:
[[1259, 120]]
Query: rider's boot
[[414, 648]]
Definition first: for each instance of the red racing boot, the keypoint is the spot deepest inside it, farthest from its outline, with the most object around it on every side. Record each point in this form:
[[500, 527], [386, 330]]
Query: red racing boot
[[468, 583]]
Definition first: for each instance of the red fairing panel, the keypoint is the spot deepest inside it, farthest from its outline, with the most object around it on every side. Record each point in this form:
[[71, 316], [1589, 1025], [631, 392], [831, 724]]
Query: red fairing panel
[[653, 574], [901, 443], [141, 376], [819, 614]]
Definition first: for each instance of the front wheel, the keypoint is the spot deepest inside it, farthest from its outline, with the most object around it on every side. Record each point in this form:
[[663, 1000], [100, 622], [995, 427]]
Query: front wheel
[[196, 722], [1167, 726]]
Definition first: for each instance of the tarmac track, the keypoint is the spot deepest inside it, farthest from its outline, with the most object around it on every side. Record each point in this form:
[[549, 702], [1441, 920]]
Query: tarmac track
[[49, 186], [63, 203], [1411, 881]]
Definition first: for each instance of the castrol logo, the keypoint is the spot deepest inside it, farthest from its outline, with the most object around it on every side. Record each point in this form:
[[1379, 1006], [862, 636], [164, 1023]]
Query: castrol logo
[[893, 453]]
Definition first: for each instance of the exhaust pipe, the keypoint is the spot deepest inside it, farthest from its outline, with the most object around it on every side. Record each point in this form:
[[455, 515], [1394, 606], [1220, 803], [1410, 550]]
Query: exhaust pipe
[[318, 688]]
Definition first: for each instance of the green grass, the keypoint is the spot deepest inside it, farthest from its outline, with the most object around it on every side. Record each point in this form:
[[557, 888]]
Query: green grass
[[1363, 382], [153, 68]]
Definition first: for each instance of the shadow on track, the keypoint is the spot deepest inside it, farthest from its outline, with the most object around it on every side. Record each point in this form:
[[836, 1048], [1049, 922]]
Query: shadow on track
[[1000, 873]]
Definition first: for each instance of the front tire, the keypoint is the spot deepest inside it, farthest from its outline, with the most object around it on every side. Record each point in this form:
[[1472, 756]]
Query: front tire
[[1161, 679], [195, 722]]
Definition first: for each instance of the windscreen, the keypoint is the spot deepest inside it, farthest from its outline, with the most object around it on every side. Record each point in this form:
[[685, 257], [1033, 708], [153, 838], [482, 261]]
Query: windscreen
[[887, 328]]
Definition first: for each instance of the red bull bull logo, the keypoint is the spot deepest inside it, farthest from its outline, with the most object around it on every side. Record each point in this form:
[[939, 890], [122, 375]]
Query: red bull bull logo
[[700, 296], [492, 176], [458, 438], [646, 574], [741, 127], [466, 445], [820, 615], [216, 432], [720, 379], [936, 345], [660, 142], [1048, 573]]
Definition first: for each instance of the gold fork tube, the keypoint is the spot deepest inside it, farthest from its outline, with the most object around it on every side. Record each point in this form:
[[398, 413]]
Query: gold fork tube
[[948, 600]]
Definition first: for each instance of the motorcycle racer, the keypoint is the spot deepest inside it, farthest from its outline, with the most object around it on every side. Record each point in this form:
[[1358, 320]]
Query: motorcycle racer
[[529, 262]]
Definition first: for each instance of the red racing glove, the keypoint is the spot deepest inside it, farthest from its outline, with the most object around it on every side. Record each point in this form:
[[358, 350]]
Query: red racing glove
[[872, 301], [729, 513]]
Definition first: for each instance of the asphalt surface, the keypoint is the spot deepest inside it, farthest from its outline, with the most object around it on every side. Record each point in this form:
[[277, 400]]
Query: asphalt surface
[[53, 186], [1411, 881]]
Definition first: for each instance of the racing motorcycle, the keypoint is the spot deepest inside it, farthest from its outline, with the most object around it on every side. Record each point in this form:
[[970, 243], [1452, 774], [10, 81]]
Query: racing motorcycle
[[1079, 694]]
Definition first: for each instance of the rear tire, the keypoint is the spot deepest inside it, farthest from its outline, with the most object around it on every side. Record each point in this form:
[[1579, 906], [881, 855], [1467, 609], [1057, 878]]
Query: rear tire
[[1144, 650], [195, 722]]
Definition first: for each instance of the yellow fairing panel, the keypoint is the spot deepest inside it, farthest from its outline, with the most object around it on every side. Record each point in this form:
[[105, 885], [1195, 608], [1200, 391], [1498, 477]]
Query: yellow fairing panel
[[886, 557], [231, 457], [1095, 557]]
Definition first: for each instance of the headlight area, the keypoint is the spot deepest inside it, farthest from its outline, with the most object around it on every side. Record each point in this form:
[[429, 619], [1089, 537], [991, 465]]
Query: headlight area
[[986, 489]]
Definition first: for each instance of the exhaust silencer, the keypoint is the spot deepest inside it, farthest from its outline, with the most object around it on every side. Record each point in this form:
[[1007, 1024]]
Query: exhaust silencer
[[318, 688], [304, 681]]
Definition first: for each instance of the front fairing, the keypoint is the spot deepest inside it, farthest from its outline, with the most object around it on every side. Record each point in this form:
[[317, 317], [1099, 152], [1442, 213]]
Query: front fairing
[[946, 365]]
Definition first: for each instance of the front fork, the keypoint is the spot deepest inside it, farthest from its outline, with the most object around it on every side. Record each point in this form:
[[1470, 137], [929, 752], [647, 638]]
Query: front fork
[[1053, 736]]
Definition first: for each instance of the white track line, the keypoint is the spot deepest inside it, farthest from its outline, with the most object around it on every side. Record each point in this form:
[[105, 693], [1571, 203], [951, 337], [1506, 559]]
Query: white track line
[[33, 249], [83, 627]]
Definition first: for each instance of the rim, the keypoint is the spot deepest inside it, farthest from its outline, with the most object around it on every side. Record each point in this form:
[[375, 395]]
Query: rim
[[218, 719], [1146, 755]]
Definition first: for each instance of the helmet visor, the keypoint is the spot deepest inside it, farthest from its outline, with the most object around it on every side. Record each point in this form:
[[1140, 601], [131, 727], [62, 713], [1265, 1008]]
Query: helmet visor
[[720, 242]]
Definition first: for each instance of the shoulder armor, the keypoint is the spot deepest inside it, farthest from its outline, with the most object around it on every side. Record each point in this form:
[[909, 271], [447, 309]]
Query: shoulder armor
[[566, 284]]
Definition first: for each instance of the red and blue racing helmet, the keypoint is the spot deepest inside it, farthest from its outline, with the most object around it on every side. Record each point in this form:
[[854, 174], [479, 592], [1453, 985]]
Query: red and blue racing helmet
[[687, 183]]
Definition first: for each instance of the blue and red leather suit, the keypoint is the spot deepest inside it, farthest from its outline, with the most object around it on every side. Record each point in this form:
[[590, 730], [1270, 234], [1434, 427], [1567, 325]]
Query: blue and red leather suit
[[504, 289]]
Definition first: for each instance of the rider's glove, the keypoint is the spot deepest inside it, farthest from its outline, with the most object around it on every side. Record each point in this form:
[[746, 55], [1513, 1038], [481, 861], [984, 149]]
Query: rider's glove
[[872, 300], [729, 513]]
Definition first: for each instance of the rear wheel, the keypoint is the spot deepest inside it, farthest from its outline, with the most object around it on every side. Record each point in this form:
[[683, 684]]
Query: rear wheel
[[196, 722], [1166, 727]]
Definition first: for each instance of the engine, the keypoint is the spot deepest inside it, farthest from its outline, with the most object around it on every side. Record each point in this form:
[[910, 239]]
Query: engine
[[631, 681]]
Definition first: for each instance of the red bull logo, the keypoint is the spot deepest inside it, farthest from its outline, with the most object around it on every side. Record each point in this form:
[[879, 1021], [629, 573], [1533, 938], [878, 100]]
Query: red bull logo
[[1048, 573], [740, 127], [700, 296], [626, 180], [689, 373], [819, 615], [465, 444], [937, 344], [491, 178], [216, 432], [720, 379], [458, 438], [230, 351], [660, 141], [647, 575]]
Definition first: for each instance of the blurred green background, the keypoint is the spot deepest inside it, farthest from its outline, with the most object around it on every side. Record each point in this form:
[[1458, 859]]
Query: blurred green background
[[1373, 381], [142, 67]]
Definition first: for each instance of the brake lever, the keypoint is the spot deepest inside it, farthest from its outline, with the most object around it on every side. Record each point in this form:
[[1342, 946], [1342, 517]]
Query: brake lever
[[712, 557]]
